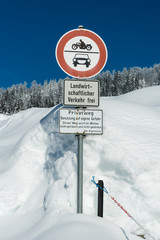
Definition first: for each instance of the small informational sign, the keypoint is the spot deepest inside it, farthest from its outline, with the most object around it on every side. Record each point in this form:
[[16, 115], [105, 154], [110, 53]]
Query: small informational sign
[[79, 121], [81, 53], [81, 93]]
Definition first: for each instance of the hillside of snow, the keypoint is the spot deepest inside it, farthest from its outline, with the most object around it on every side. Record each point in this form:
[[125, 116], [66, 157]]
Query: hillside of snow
[[38, 169]]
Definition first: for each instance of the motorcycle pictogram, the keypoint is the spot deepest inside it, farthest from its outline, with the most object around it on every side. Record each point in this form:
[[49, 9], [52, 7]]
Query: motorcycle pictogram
[[81, 45]]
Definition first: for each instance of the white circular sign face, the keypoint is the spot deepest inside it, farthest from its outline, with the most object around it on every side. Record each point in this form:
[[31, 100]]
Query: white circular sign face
[[81, 53], [92, 56]]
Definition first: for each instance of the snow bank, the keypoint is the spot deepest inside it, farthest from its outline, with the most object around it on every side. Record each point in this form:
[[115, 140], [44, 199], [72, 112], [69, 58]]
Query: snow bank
[[82, 227], [22, 148], [38, 171], [147, 96]]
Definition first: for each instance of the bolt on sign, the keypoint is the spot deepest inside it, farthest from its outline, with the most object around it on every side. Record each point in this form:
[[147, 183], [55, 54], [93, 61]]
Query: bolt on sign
[[81, 93], [81, 53]]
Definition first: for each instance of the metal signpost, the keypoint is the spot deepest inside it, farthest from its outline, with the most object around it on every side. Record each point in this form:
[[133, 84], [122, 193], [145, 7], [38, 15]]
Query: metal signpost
[[82, 54], [80, 122], [80, 175]]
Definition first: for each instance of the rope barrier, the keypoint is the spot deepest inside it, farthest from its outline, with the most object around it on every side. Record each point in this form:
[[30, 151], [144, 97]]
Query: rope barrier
[[124, 210]]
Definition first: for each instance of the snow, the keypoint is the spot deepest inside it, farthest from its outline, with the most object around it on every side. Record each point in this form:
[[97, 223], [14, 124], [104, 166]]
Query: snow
[[38, 169], [148, 96]]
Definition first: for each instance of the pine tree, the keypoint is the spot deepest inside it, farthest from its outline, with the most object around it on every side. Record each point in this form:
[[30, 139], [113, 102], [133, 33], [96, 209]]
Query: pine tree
[[118, 83]]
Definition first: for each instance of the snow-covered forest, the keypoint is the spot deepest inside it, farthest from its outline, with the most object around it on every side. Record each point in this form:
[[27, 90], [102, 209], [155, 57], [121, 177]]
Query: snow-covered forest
[[20, 97]]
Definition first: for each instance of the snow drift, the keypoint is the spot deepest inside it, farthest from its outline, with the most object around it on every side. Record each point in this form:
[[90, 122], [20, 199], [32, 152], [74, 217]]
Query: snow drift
[[38, 172]]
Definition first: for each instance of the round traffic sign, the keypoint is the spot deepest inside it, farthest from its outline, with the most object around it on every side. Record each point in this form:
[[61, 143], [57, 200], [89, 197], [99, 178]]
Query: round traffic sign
[[81, 53]]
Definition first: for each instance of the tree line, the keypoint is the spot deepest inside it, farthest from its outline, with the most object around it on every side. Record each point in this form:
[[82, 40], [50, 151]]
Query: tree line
[[20, 97]]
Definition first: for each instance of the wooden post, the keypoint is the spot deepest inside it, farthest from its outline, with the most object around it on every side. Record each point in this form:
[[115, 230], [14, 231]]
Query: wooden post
[[100, 198]]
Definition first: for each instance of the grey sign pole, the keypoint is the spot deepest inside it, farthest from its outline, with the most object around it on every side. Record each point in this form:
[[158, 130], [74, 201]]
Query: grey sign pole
[[80, 175]]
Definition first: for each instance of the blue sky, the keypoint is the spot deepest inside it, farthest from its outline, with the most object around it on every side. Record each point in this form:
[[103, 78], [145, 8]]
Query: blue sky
[[30, 30]]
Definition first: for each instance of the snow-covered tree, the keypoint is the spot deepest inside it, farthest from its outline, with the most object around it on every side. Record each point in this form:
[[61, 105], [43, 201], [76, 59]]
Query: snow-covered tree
[[19, 97]]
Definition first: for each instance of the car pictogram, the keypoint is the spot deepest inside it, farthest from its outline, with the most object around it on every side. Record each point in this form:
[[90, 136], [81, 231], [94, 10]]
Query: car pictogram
[[81, 59]]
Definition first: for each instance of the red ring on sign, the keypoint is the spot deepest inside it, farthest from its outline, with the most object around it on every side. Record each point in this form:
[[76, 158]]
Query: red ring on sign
[[76, 73]]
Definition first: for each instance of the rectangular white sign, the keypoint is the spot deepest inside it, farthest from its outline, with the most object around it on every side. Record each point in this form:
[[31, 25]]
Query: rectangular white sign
[[78, 121], [81, 93]]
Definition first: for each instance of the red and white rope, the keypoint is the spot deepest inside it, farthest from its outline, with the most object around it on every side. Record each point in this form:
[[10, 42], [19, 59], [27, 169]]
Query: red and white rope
[[124, 210]]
